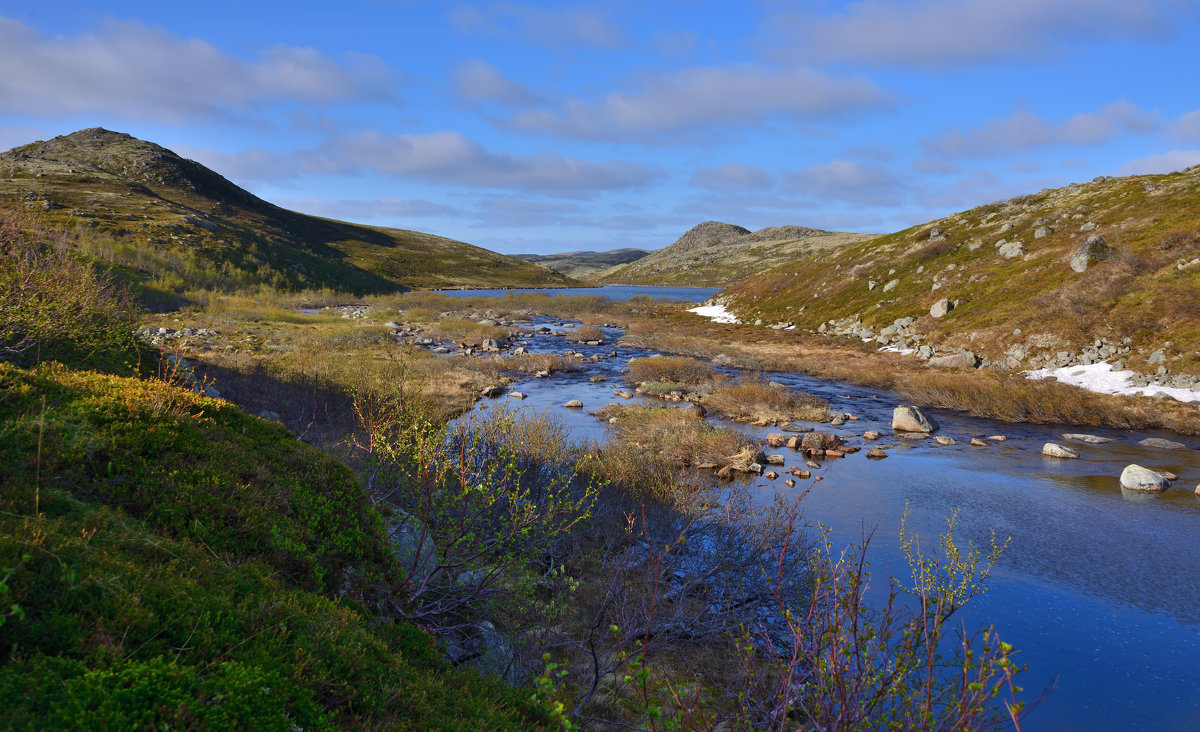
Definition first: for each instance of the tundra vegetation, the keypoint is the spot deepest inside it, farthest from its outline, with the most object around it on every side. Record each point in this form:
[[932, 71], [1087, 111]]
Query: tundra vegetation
[[170, 559]]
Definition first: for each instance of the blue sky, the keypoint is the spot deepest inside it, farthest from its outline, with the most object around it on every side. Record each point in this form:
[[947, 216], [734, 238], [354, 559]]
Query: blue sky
[[542, 127]]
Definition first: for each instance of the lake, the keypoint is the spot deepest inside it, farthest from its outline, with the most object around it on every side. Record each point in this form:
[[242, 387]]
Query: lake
[[611, 292]]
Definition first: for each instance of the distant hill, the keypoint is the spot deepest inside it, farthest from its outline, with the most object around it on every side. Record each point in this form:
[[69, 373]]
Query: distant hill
[[582, 265], [1101, 271], [714, 254], [169, 220]]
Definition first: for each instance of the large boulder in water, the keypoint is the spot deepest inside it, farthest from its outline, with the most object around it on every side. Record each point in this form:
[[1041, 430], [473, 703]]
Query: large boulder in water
[[1137, 478], [1053, 449], [910, 418]]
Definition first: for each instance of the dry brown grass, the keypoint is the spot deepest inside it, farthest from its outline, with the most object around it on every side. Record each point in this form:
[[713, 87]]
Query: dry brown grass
[[652, 442], [585, 333], [463, 331], [671, 369], [757, 401]]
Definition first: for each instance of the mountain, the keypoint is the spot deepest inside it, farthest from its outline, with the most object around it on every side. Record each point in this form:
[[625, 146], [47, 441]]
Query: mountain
[[1101, 271], [159, 217], [582, 265], [714, 254]]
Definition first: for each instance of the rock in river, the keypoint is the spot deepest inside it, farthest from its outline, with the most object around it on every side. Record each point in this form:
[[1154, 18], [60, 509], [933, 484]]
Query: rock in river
[[910, 418], [1090, 439], [1053, 449], [1162, 444], [1137, 478], [574, 404]]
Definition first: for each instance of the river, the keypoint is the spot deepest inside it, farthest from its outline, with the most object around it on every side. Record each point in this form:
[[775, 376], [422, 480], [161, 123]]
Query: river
[[1097, 587]]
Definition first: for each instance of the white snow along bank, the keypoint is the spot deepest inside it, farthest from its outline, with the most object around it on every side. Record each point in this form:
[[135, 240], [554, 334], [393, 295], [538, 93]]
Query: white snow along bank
[[1099, 377]]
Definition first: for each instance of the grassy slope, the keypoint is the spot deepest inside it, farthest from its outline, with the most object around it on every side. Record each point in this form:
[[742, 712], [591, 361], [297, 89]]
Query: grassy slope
[[728, 255], [1147, 291], [183, 568], [141, 206]]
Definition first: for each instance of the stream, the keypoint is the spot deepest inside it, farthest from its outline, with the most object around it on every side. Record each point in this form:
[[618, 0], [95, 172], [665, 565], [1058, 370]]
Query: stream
[[1096, 587]]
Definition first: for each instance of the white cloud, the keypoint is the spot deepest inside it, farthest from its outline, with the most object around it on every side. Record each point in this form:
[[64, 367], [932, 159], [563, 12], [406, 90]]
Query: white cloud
[[554, 27], [479, 81], [444, 157], [1188, 126], [948, 33], [1167, 162], [133, 71], [733, 177], [846, 180], [702, 97], [359, 210], [1022, 131]]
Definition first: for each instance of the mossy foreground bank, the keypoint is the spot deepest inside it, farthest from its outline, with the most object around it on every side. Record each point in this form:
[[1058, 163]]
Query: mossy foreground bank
[[168, 561]]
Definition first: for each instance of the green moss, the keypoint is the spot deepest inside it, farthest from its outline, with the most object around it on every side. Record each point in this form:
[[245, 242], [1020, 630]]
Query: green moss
[[171, 562]]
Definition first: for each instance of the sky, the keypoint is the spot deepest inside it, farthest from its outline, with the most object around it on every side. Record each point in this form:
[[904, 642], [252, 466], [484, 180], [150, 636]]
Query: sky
[[539, 127]]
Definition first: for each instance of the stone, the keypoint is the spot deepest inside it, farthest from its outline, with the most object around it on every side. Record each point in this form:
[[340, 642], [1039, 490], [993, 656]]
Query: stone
[[802, 474], [834, 454], [694, 410], [890, 285], [490, 345], [1137, 478], [871, 435], [1042, 231], [725, 473], [790, 483], [542, 374], [393, 325], [978, 442], [776, 460], [940, 308], [1012, 250], [412, 544], [268, 414], [770, 475], [1162, 444], [943, 440], [1091, 251], [997, 438], [911, 418], [574, 404], [914, 436], [491, 391], [963, 360], [516, 395], [1053, 449], [1090, 439], [876, 454]]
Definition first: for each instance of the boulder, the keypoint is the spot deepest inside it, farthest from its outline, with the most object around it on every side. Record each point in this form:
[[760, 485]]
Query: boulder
[[574, 404], [777, 439], [491, 391], [694, 410], [997, 438], [770, 475], [978, 442], [516, 395], [943, 440], [876, 454], [412, 544], [1053, 449], [963, 360], [940, 308], [1091, 251], [801, 474], [1137, 478], [910, 418], [490, 345], [1162, 444], [1090, 439], [776, 460], [871, 435], [1012, 250]]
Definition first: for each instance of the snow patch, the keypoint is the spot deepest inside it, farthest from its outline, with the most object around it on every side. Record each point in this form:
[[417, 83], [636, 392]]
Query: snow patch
[[715, 313], [898, 349], [1100, 377]]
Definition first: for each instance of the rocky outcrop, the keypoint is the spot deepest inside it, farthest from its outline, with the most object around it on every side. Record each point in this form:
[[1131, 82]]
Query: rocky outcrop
[[941, 308], [1162, 444], [1091, 251], [962, 360], [911, 418]]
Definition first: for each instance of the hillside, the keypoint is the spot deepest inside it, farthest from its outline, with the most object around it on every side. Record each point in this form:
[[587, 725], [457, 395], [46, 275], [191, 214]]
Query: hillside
[[1101, 271], [583, 265], [173, 225], [715, 254], [171, 562]]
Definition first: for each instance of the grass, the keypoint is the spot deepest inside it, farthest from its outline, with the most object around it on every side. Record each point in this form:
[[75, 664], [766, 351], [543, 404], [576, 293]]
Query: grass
[[759, 402], [585, 333]]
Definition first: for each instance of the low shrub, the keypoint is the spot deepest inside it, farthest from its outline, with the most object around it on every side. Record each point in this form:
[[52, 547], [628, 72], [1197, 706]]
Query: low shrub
[[671, 368]]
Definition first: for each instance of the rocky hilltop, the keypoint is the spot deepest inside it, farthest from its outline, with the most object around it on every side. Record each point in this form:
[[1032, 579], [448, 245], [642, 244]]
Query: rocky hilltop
[[583, 265], [165, 219], [1102, 271], [714, 254]]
